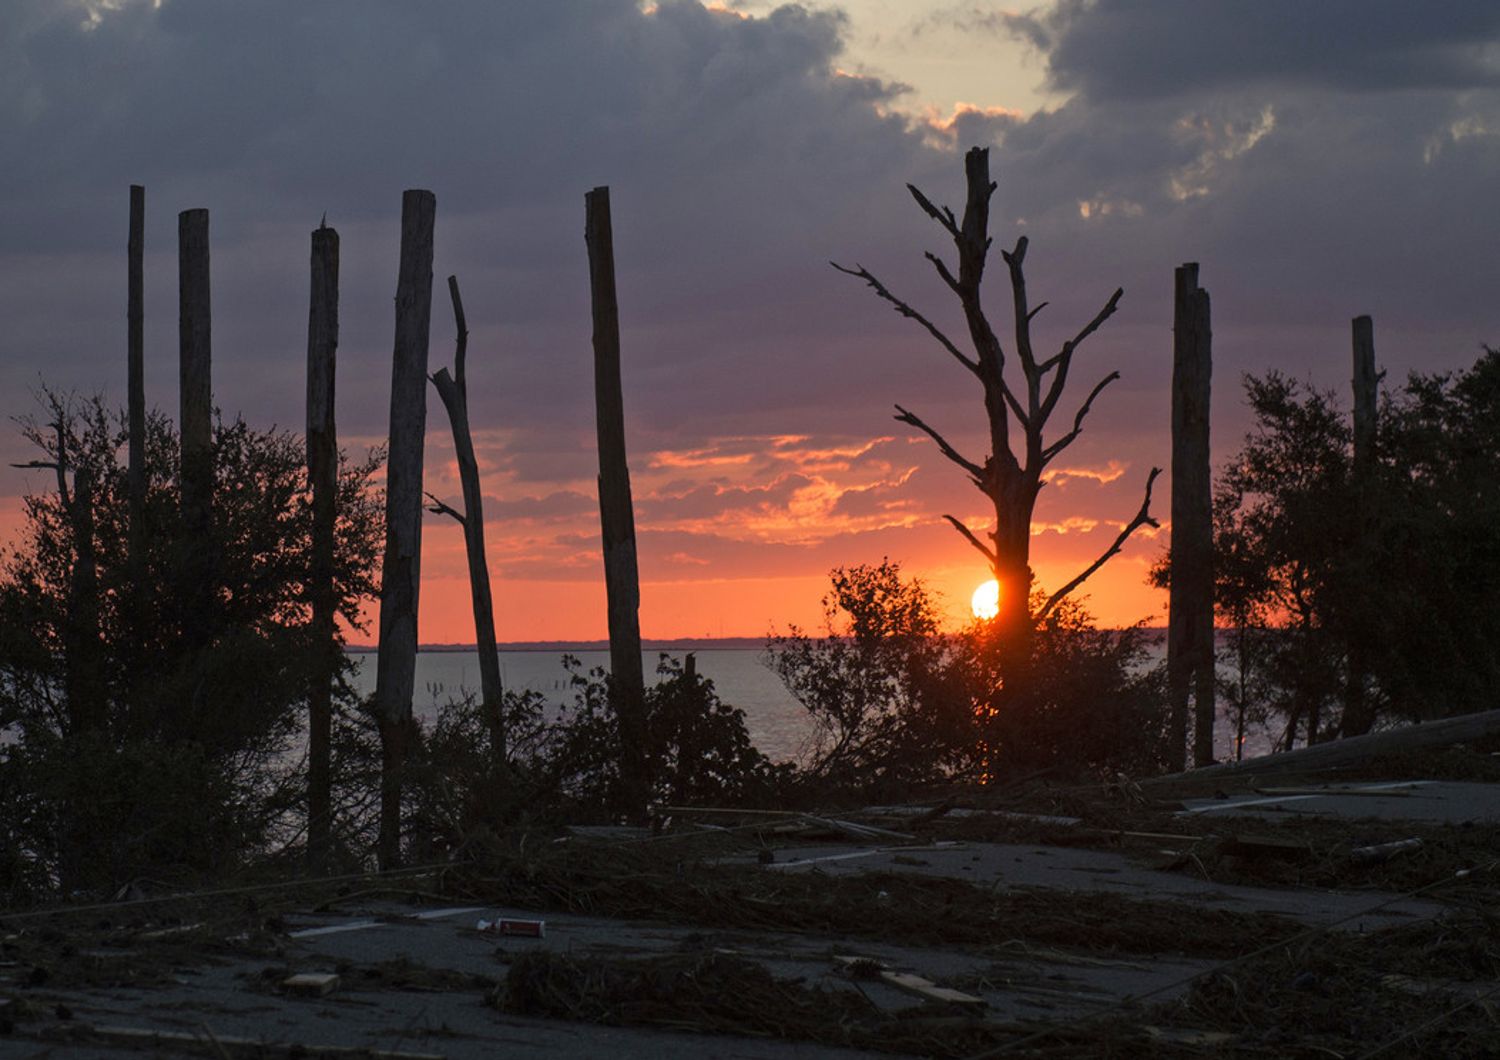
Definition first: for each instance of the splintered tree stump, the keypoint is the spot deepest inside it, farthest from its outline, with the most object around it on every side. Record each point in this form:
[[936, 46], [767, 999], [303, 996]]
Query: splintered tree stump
[[196, 474], [617, 519], [400, 582], [1190, 624]]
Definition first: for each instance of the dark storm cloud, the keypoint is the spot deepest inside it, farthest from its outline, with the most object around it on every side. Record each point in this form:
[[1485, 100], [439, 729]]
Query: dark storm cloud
[[1113, 49]]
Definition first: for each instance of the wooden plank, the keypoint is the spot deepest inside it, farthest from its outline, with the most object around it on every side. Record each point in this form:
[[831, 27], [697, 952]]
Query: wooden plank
[[311, 984]]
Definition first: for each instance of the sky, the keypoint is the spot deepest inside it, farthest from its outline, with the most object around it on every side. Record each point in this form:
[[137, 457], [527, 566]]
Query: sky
[[1319, 161]]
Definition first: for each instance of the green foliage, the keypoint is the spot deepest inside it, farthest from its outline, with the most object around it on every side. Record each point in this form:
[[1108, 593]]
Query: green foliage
[[1382, 587], [108, 670], [697, 747], [890, 710], [1079, 700], [898, 704]]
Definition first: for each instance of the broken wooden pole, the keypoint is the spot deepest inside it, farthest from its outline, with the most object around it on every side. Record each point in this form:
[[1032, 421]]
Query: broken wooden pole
[[323, 479], [1359, 706], [1190, 624], [400, 579], [627, 684], [196, 468], [135, 344], [454, 390], [1354, 750]]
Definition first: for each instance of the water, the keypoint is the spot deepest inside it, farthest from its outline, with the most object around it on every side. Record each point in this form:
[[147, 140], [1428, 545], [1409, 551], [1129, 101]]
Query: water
[[778, 725]]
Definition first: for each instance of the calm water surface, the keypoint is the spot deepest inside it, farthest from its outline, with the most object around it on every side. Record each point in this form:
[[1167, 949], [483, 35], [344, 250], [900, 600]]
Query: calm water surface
[[777, 723]]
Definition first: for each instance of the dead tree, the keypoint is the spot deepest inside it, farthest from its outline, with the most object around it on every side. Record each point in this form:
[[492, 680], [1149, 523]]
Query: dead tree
[[83, 683], [1190, 622], [135, 343], [400, 580], [323, 478], [1359, 707], [454, 390], [196, 474], [627, 683], [1010, 480]]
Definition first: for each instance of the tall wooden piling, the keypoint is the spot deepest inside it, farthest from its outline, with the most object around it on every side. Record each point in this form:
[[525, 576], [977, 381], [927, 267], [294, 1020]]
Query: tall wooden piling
[[323, 477], [396, 664], [135, 344], [1190, 627], [454, 391], [196, 468], [1359, 712], [616, 515]]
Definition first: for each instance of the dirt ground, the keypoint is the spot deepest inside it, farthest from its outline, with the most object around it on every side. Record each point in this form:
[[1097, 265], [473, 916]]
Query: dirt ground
[[1343, 915]]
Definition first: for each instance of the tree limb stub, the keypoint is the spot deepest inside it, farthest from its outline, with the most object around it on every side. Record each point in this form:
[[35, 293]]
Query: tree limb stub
[[975, 470], [437, 507], [1083, 410], [1142, 518], [859, 272], [943, 216], [988, 553], [461, 344]]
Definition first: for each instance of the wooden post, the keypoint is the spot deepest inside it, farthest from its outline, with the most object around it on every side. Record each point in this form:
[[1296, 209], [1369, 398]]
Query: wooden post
[[323, 478], [135, 317], [196, 474], [400, 581], [616, 516], [1190, 627], [1359, 712], [454, 390]]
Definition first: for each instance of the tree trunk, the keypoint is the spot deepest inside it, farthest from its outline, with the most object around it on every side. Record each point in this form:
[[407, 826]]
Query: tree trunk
[[196, 410], [1359, 709], [396, 663], [135, 318], [1190, 626], [323, 477], [617, 519], [454, 390]]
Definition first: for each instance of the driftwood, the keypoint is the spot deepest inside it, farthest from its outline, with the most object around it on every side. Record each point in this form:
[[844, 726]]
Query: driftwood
[[454, 390], [400, 582], [1355, 749], [196, 472], [1190, 624], [627, 685], [323, 475]]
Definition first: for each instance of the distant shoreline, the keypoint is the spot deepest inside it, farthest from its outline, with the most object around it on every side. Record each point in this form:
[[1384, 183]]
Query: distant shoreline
[[650, 644], [678, 644]]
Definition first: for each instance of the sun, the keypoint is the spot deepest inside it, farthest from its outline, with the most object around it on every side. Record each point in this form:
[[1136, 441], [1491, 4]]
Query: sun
[[986, 600]]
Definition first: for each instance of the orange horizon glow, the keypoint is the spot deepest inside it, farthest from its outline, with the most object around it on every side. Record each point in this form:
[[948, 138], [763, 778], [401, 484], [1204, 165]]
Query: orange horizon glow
[[737, 536]]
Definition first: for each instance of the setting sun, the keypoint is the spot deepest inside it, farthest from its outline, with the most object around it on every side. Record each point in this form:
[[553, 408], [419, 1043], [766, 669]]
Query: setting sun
[[986, 600]]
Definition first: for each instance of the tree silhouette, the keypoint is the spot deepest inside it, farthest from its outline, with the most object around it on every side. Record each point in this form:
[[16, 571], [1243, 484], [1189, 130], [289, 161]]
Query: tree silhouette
[[1009, 479]]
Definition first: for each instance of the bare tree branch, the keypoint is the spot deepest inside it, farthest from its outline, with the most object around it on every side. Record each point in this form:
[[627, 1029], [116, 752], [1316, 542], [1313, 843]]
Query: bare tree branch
[[975, 470], [942, 271], [1142, 518], [1063, 358], [461, 343], [1083, 410], [1039, 307], [437, 507], [942, 216], [907, 311], [989, 553]]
